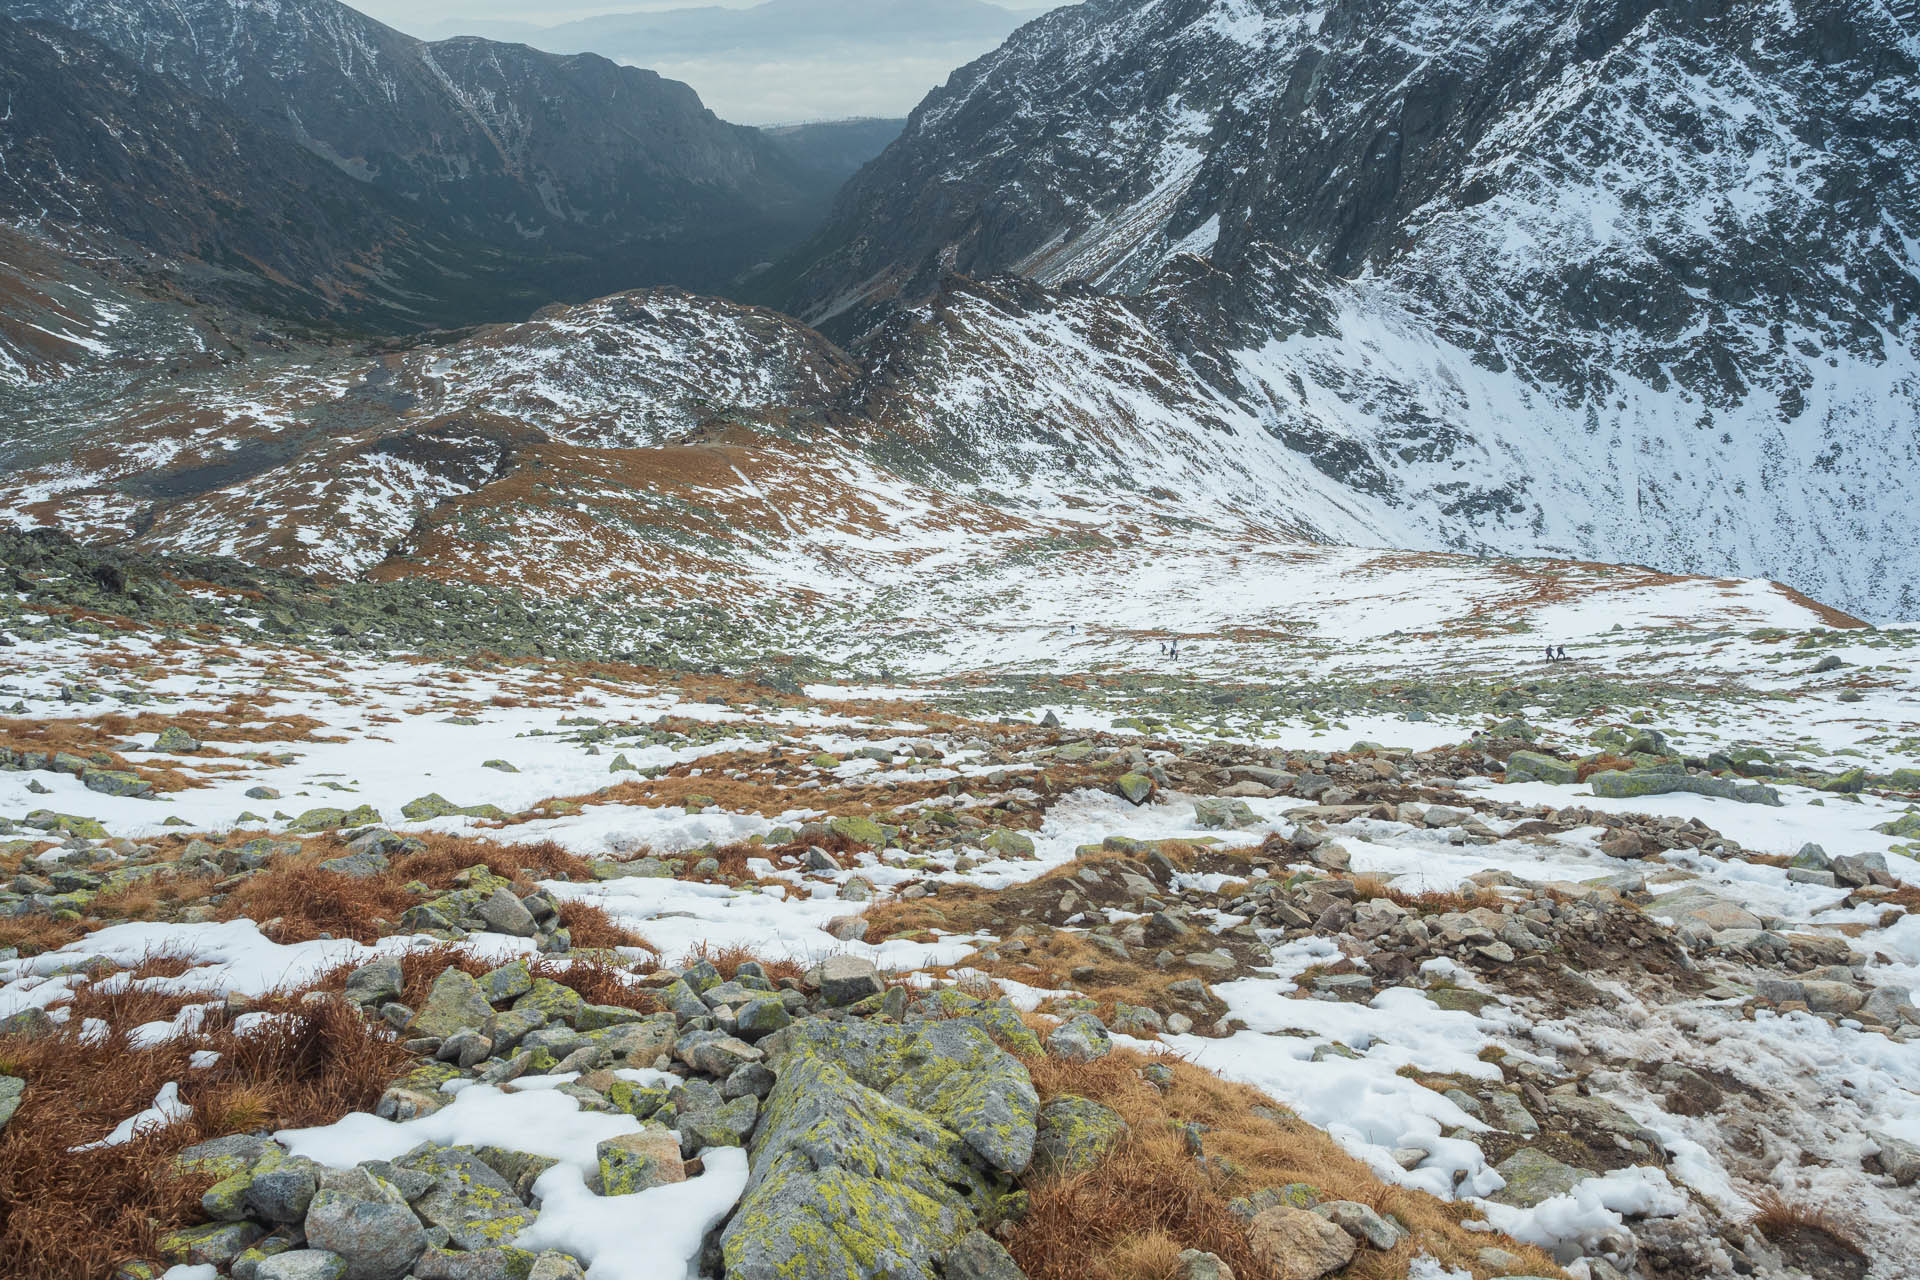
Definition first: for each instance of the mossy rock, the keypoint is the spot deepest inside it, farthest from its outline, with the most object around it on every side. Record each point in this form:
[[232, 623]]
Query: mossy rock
[[1074, 1135], [315, 820], [1532, 766], [859, 830]]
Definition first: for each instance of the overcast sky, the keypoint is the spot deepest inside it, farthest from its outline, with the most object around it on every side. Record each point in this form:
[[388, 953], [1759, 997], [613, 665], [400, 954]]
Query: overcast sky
[[410, 14], [770, 81]]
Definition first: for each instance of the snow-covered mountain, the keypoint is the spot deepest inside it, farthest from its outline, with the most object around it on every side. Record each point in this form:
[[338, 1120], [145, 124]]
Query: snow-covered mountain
[[1628, 280], [528, 175]]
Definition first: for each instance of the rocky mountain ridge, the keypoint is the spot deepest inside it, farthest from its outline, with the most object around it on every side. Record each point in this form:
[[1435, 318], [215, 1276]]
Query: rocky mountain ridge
[[1534, 279]]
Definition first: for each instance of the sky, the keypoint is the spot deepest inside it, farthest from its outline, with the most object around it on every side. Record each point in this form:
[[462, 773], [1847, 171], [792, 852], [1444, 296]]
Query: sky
[[772, 84]]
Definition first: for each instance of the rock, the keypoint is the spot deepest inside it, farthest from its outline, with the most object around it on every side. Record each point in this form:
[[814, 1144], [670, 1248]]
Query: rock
[[376, 982], [1361, 1222], [637, 1161], [318, 820], [302, 1264], [508, 982], [455, 1003], [12, 1090], [1532, 766], [1811, 858], [497, 1263], [761, 1018], [1624, 784], [1532, 1176], [1899, 1160], [1134, 788], [1298, 1244], [1858, 870], [1008, 844], [979, 1256], [504, 913], [859, 830], [175, 741], [846, 1183], [1215, 814], [1073, 1134], [845, 980], [1082, 1038], [555, 1266], [1195, 1265], [372, 1230], [474, 1205]]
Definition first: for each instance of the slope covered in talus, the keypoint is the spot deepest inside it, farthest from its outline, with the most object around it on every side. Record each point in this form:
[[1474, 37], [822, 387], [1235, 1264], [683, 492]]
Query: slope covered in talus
[[1621, 279]]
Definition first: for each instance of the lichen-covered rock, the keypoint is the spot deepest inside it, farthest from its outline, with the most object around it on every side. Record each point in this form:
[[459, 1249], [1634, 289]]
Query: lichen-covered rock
[[637, 1161], [302, 1264], [376, 981], [1134, 788], [1533, 766], [1217, 813], [1081, 1038], [1628, 784], [1073, 1133], [979, 1256], [473, 1204], [859, 830], [848, 1184], [1532, 1176], [455, 1003], [367, 1222], [12, 1090]]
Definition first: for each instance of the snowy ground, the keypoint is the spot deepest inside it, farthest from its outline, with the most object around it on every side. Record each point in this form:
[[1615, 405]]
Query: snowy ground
[[1710, 664]]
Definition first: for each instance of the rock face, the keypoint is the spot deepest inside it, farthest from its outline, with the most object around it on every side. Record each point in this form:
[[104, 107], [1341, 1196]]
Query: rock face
[[1319, 208], [470, 144]]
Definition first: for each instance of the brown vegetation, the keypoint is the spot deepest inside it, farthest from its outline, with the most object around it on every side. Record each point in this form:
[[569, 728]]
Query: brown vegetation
[[1122, 1217]]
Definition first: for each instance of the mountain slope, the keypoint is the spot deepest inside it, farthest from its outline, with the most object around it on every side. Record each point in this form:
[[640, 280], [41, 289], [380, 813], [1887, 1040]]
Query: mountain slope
[[1619, 279], [591, 176]]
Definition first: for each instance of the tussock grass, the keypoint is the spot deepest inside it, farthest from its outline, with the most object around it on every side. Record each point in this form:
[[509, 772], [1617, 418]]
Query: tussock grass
[[1121, 1218], [75, 1215]]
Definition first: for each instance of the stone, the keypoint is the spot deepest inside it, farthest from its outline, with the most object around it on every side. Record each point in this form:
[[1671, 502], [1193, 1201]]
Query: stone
[[508, 982], [302, 1264], [376, 982], [1134, 788], [1899, 1160], [1627, 784], [1196, 1265], [1073, 1134], [846, 979], [979, 1256], [1081, 1038], [638, 1161], [377, 1236], [1532, 1176], [504, 913], [1298, 1244], [555, 1266], [455, 1003], [846, 1183], [12, 1090], [761, 1018], [472, 1203], [1216, 814], [1361, 1222], [494, 1263], [1533, 766]]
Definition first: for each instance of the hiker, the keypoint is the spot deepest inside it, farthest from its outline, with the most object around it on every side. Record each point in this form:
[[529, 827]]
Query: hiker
[[1176, 651], [1163, 648], [1563, 654], [1549, 653]]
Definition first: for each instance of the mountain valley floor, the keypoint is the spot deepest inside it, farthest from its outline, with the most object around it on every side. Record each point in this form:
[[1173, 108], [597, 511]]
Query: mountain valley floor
[[1139, 911]]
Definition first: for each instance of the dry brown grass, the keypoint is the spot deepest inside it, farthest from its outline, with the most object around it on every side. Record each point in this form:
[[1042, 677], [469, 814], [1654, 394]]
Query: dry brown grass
[[74, 1215], [729, 959], [591, 927], [1119, 1218], [1778, 1218], [1367, 888]]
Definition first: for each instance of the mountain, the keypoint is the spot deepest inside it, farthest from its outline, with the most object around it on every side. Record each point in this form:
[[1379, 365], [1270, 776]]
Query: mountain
[[834, 150], [1620, 279], [552, 177]]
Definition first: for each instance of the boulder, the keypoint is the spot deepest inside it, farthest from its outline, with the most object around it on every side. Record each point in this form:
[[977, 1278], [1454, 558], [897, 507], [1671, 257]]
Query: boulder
[[1532, 766], [369, 1225], [474, 1205], [848, 1184], [1081, 1038], [1298, 1244], [455, 1003], [1533, 1176], [637, 1161], [1073, 1133], [846, 980]]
